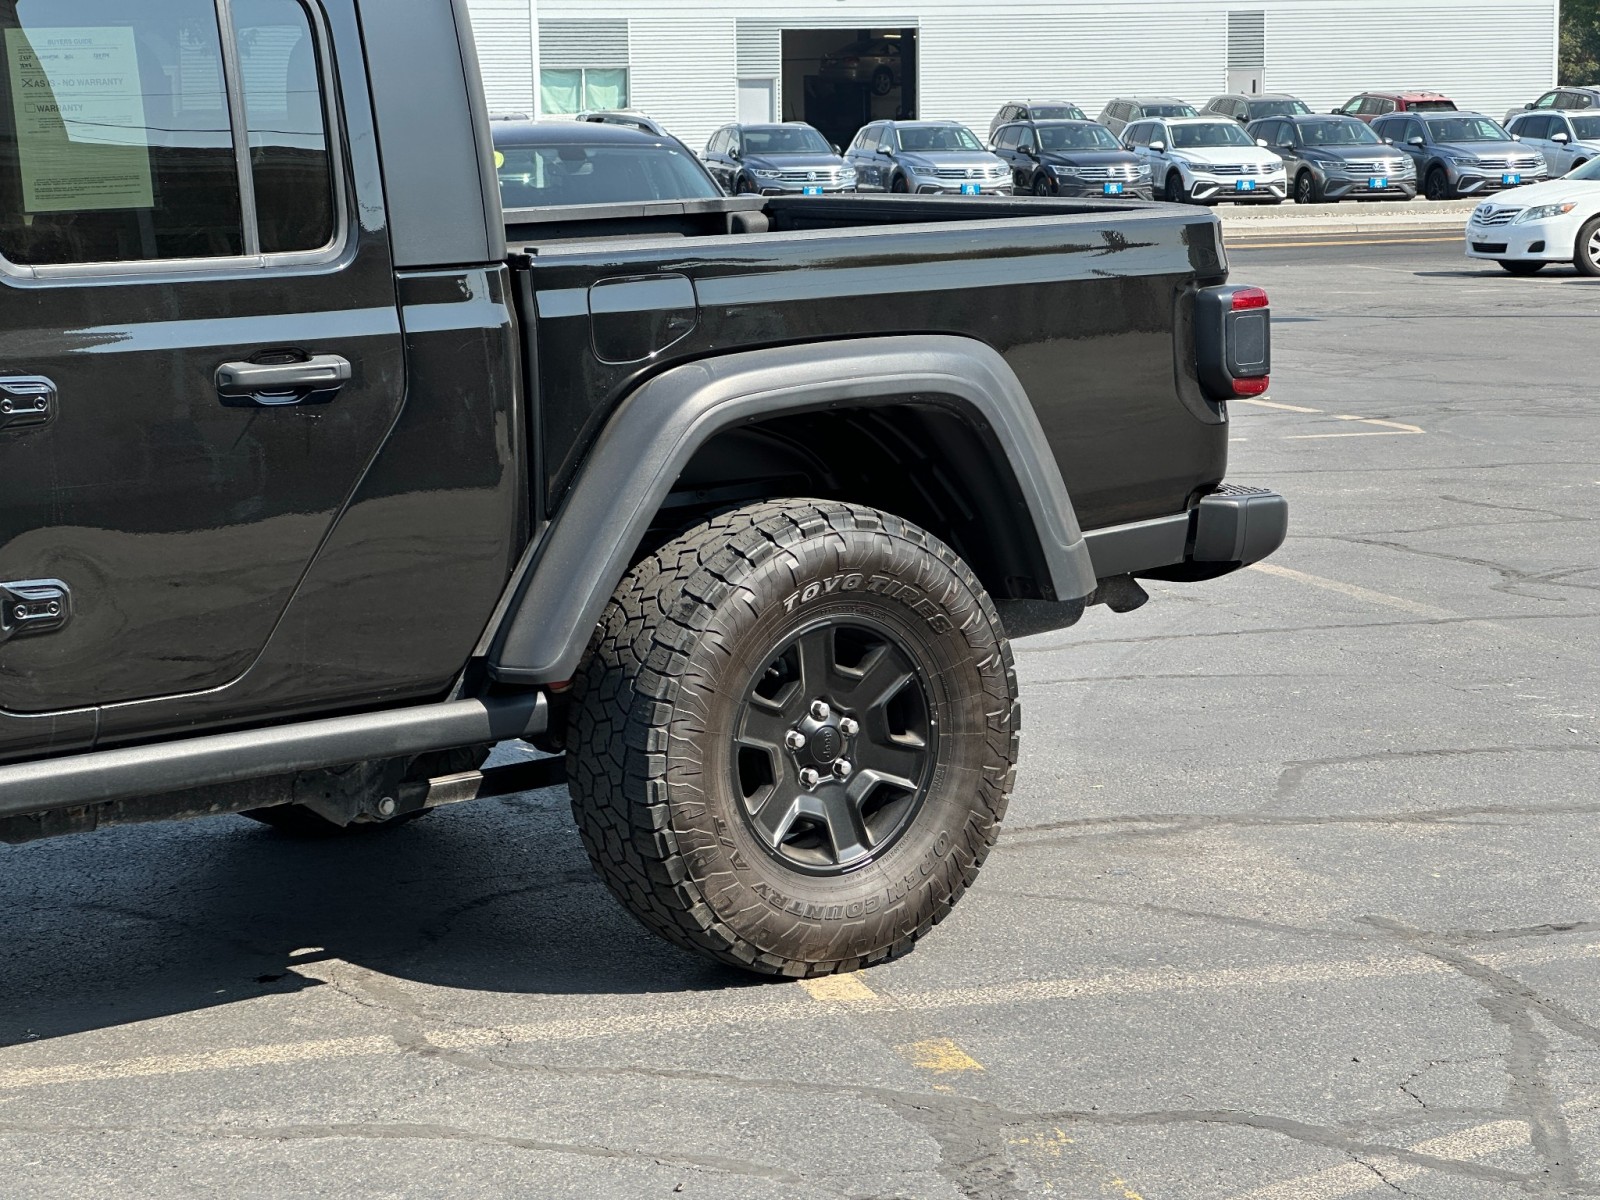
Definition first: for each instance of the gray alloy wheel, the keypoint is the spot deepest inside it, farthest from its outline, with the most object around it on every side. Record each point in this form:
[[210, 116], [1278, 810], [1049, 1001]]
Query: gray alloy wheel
[[1305, 189], [1437, 186], [1586, 254]]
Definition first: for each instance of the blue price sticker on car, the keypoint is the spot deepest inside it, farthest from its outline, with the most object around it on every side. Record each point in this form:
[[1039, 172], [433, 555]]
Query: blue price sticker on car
[[1378, 183], [1245, 185], [1113, 189], [971, 189], [1508, 180], [812, 189]]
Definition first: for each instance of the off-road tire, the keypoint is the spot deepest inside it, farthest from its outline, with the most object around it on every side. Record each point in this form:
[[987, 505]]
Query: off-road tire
[[1520, 266], [657, 709], [1586, 248]]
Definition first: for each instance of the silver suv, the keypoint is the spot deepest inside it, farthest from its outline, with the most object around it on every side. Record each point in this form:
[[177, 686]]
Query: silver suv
[[1461, 153], [925, 157], [1123, 111]]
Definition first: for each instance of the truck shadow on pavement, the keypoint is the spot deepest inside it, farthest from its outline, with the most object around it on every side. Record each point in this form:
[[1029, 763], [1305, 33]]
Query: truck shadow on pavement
[[133, 924]]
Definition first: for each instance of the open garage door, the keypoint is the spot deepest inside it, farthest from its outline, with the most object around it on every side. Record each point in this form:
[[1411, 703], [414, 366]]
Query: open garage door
[[839, 79]]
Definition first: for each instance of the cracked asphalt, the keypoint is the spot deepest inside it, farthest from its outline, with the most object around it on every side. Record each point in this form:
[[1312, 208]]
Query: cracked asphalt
[[1296, 899]]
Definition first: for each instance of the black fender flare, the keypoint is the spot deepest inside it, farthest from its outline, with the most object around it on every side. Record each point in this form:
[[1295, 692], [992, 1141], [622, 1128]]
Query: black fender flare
[[569, 574]]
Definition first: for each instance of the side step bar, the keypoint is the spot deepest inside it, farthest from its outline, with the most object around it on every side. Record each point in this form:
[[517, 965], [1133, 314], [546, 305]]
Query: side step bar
[[108, 775]]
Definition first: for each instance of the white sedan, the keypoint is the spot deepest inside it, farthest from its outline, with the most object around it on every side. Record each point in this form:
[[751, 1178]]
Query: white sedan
[[1524, 228]]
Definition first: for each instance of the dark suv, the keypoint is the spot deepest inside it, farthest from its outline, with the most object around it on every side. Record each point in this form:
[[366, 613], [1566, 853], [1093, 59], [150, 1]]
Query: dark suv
[[1461, 153], [574, 162], [1245, 109], [1070, 158], [1035, 110], [771, 160]]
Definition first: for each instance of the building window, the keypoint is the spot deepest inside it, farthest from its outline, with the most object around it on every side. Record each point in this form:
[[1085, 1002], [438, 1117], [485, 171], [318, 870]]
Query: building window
[[567, 90]]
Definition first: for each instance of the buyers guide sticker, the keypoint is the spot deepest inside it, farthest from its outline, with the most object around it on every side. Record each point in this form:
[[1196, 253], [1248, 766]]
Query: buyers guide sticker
[[81, 132]]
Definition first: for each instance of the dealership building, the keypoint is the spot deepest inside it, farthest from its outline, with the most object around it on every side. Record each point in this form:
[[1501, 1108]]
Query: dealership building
[[697, 64]]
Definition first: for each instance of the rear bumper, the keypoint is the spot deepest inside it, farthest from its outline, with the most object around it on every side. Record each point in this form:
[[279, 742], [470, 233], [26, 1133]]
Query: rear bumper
[[1230, 528]]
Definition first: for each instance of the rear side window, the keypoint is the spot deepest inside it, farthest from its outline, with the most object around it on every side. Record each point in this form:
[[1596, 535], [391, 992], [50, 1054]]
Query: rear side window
[[119, 142]]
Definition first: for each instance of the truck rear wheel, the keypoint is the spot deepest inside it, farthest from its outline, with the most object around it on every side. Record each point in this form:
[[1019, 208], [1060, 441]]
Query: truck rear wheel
[[793, 737]]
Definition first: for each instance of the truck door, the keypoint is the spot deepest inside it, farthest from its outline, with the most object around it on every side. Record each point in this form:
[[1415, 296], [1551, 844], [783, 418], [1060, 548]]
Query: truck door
[[200, 348]]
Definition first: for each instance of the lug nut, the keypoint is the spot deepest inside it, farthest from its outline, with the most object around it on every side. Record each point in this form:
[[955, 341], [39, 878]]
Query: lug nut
[[820, 711], [795, 740], [843, 769], [848, 727], [809, 778]]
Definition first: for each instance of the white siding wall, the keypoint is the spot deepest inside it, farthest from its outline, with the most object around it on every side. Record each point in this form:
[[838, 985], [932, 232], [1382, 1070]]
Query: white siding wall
[[974, 55], [507, 49]]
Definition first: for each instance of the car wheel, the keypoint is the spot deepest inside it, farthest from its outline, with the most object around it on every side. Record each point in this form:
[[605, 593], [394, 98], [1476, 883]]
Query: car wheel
[[1437, 186], [899, 185], [1521, 266], [793, 736], [1175, 192], [1586, 255], [882, 81], [745, 187], [1306, 190], [1042, 186]]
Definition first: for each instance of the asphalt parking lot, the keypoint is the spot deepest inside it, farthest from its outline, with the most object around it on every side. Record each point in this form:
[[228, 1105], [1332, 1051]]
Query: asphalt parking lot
[[1296, 899]]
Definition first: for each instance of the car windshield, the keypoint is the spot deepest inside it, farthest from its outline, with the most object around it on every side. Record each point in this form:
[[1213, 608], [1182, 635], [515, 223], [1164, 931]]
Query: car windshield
[[1276, 108], [1589, 170], [1432, 106], [575, 173], [785, 139], [1057, 112], [1466, 129], [1169, 110], [1212, 133], [1587, 128], [1336, 133], [937, 137], [1077, 137]]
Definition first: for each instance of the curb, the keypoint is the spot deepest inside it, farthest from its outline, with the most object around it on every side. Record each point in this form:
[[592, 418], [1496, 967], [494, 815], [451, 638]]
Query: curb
[[1258, 229], [1417, 216]]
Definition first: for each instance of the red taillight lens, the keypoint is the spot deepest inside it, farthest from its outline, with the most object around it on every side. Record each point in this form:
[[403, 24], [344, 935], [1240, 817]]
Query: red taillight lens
[[1250, 387], [1250, 297]]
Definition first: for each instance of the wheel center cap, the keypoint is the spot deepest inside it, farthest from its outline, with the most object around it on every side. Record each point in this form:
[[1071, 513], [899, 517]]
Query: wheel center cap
[[825, 745]]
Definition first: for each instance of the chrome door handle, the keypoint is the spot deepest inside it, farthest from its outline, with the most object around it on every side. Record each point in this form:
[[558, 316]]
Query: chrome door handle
[[272, 385]]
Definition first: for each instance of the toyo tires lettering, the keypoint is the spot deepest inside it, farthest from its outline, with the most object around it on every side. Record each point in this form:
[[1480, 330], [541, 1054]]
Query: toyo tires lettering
[[878, 585]]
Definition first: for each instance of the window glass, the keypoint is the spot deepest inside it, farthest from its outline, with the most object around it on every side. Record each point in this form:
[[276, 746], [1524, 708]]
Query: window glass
[[915, 138], [1076, 137], [1025, 138], [560, 92], [1548, 100], [1210, 133], [605, 87], [116, 143], [784, 139], [577, 89], [1006, 139], [1055, 112], [1432, 106], [1170, 110], [1534, 127], [286, 116], [1586, 127], [575, 173], [1466, 129]]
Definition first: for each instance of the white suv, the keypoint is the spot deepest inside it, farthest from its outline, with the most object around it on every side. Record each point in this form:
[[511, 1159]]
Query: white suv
[[1201, 160]]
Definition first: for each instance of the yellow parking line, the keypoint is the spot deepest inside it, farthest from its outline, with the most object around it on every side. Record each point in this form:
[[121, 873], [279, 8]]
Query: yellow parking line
[[847, 989], [1355, 592], [940, 1055], [1245, 243]]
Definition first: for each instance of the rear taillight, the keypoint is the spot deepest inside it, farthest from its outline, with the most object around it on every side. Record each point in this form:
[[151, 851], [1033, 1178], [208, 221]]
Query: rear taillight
[[1233, 340]]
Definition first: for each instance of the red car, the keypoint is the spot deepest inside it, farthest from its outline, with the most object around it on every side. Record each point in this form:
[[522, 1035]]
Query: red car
[[1367, 105]]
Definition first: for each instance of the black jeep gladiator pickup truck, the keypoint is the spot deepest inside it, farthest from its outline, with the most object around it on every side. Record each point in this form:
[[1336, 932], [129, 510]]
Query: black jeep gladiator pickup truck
[[320, 475]]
